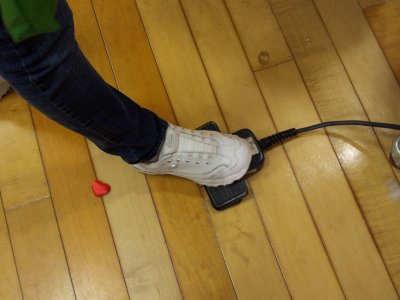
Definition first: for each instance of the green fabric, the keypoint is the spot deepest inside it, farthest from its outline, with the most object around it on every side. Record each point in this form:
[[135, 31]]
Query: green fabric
[[27, 18]]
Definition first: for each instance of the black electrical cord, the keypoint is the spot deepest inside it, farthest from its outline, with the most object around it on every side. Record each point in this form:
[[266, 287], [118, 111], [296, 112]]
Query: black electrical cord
[[279, 137]]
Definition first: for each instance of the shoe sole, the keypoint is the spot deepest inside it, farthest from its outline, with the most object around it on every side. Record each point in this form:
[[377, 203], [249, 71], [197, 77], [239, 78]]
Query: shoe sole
[[211, 182]]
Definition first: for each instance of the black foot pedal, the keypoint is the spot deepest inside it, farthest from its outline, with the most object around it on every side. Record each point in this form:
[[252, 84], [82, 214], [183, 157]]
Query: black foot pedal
[[224, 196]]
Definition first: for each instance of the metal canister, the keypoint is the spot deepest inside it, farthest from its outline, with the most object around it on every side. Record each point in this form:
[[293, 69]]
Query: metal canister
[[395, 154]]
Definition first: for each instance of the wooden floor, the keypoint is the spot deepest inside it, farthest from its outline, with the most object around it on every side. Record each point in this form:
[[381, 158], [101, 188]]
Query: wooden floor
[[322, 220]]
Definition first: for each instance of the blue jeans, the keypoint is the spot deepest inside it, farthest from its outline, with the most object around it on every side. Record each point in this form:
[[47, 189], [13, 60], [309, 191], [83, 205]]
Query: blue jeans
[[53, 75]]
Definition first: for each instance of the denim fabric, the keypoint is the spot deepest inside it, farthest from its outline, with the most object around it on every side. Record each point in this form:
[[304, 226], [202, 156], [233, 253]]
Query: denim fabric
[[52, 74]]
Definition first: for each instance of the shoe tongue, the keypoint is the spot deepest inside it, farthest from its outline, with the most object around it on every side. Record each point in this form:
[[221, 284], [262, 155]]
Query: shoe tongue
[[182, 142], [171, 142]]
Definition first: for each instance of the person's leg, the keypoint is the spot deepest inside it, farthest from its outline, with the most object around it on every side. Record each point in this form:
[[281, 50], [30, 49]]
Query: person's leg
[[52, 74]]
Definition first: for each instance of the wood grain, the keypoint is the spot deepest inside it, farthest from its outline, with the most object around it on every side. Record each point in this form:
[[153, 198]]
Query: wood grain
[[179, 63], [335, 98], [141, 246], [23, 182], [38, 251], [363, 160], [197, 257], [259, 33], [369, 3], [136, 229], [385, 22], [236, 228], [22, 178], [365, 63], [304, 215], [243, 106], [89, 247], [194, 250], [9, 281], [337, 216], [379, 94]]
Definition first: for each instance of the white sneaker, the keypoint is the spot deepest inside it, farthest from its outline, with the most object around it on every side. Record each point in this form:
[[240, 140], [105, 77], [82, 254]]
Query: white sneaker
[[206, 157], [4, 87]]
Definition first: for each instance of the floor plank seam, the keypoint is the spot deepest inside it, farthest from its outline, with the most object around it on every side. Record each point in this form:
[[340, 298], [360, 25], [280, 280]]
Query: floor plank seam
[[34, 125], [155, 59], [268, 236], [305, 198], [349, 78], [368, 226], [330, 141], [373, 5], [275, 128], [165, 240], [90, 154], [380, 45], [105, 45], [273, 65], [226, 125], [31, 202], [12, 246], [204, 197], [352, 84], [222, 114], [291, 164], [150, 191], [108, 220]]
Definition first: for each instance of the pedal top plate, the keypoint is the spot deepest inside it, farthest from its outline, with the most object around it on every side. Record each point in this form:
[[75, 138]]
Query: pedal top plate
[[224, 196]]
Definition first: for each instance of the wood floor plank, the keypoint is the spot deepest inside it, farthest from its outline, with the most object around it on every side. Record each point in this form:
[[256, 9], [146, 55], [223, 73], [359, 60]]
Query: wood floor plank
[[38, 250], [365, 63], [194, 250], [358, 150], [379, 93], [22, 177], [259, 32], [343, 229], [89, 247], [86, 234], [369, 3], [88, 241], [136, 229], [9, 282], [253, 268], [198, 260], [23, 181], [179, 62], [243, 106], [141, 246], [385, 22]]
